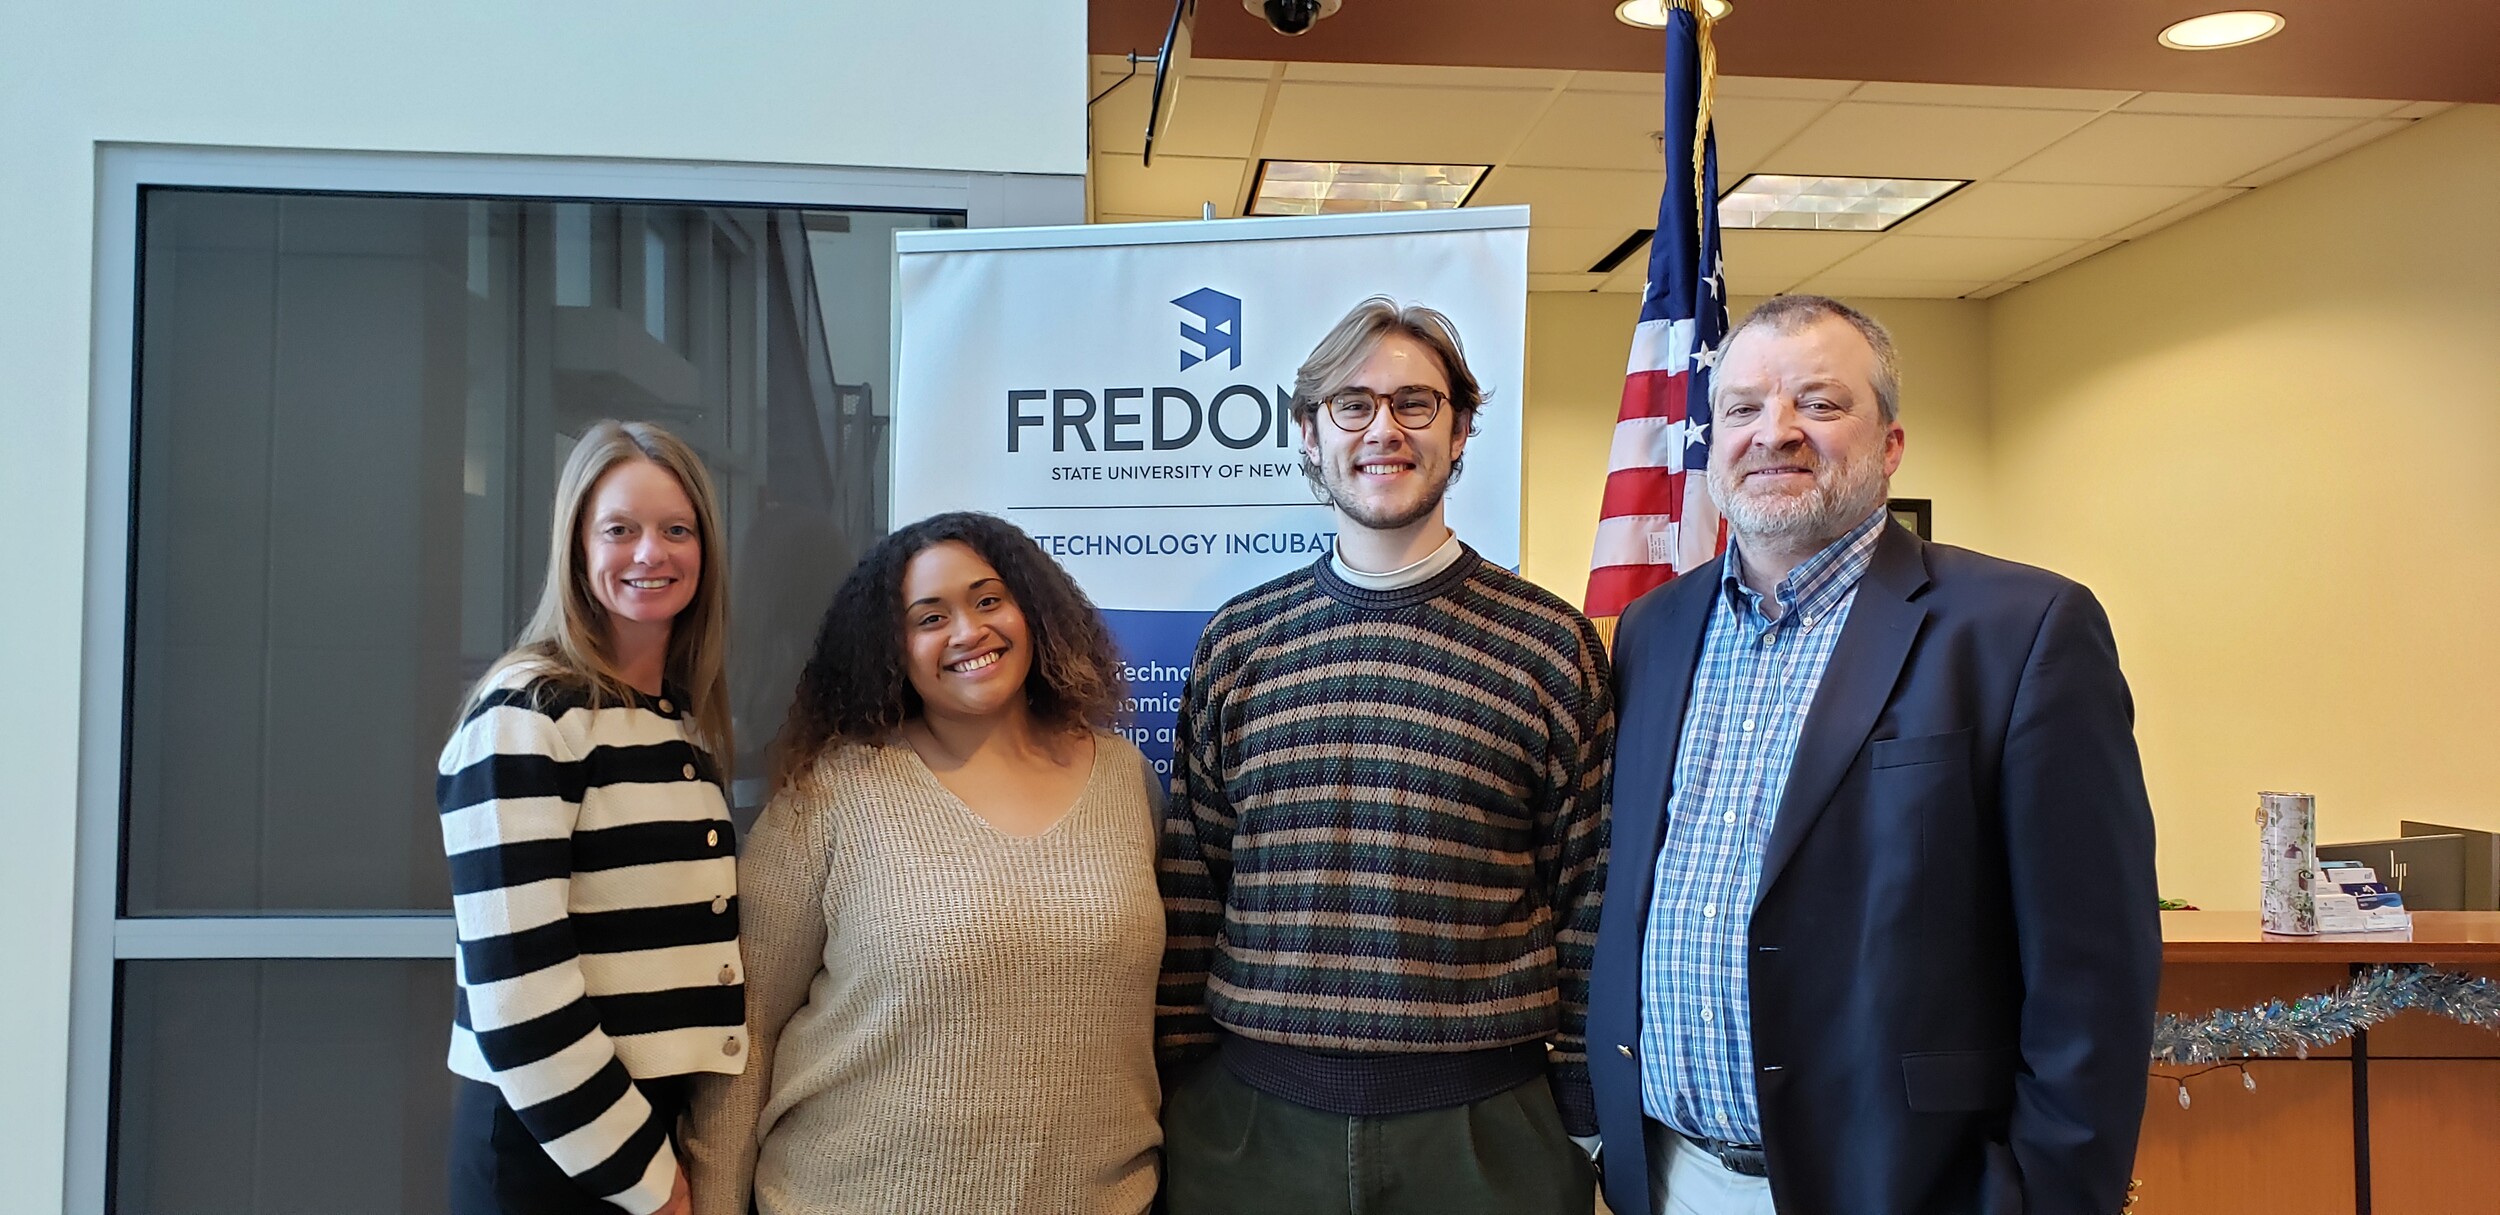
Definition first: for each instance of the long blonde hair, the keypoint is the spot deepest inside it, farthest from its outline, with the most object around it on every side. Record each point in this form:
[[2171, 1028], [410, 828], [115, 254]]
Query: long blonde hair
[[566, 637]]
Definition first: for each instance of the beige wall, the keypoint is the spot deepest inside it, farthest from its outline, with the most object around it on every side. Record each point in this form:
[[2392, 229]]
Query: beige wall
[[1577, 344], [2266, 437]]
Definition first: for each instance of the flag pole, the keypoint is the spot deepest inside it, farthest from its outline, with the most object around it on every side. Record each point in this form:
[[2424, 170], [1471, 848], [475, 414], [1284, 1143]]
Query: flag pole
[[1656, 519], [1702, 21]]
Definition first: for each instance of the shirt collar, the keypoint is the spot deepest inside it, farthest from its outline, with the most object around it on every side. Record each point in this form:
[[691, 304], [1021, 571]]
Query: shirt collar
[[1819, 580]]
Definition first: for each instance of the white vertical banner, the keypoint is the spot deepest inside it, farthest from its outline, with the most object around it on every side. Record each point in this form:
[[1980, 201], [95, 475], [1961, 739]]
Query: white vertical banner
[[1122, 393]]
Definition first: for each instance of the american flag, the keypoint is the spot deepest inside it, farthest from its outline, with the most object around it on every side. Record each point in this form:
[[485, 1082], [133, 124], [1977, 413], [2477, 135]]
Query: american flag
[[1657, 520]]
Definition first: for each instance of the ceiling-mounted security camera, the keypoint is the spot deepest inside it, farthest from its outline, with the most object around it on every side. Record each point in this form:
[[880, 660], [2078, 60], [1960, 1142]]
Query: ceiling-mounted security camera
[[1292, 16]]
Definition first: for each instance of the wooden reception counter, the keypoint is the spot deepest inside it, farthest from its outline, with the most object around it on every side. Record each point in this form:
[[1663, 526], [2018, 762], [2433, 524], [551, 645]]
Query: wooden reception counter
[[2405, 1118]]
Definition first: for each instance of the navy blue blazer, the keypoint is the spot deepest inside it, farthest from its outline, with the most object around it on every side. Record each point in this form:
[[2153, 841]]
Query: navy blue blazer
[[1955, 945]]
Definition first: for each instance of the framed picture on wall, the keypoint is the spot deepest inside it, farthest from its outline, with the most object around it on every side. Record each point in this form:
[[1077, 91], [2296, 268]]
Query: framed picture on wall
[[1916, 514]]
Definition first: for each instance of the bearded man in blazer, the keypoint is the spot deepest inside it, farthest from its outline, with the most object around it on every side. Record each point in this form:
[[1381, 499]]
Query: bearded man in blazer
[[1880, 931]]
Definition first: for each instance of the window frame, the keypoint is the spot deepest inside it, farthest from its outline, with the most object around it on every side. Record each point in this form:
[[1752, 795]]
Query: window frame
[[101, 939]]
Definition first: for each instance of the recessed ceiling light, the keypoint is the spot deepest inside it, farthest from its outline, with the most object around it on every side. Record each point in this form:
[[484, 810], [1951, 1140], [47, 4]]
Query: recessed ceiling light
[[1829, 204], [1329, 187], [1652, 14], [2214, 31]]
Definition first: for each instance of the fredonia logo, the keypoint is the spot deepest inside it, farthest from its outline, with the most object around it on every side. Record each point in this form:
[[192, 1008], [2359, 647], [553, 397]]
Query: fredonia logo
[[1221, 314]]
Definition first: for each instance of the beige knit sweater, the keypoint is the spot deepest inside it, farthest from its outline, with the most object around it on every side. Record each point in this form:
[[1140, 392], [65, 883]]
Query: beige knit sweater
[[946, 1018]]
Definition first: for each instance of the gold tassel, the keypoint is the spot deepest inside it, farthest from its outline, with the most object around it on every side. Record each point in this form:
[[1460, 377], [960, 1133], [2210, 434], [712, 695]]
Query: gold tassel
[[1702, 21]]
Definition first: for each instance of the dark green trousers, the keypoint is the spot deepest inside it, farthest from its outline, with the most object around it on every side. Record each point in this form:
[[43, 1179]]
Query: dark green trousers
[[1229, 1149]]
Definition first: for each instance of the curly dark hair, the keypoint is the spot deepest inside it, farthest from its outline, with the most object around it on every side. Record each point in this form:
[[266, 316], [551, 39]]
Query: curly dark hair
[[854, 688]]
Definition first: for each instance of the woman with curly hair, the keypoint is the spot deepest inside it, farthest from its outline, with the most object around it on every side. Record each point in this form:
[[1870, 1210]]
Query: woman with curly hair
[[951, 924]]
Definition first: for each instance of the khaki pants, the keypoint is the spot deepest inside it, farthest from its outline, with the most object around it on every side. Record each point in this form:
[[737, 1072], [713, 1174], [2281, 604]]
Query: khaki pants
[[1695, 1183], [1229, 1149]]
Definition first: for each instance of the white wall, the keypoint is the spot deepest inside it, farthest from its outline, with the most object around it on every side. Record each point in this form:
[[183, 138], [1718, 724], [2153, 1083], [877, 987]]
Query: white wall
[[989, 87]]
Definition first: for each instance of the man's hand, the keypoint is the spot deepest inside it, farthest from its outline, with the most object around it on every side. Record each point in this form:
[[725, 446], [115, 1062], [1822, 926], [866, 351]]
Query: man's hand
[[680, 1202]]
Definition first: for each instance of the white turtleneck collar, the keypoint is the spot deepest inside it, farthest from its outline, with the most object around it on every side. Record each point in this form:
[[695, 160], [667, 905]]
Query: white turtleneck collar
[[1422, 571]]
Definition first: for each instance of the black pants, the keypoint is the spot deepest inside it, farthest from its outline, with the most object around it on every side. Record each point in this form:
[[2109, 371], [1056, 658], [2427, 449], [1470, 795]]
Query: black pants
[[497, 1169], [1229, 1149]]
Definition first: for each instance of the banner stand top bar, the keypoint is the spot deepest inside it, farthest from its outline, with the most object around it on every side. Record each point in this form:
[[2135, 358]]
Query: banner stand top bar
[[1199, 231]]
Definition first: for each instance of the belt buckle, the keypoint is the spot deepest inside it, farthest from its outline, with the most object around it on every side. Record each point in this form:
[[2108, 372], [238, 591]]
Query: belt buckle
[[1745, 1160]]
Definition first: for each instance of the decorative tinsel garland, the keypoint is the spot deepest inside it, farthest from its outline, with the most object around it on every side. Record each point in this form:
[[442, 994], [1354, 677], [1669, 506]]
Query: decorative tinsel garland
[[2275, 1027]]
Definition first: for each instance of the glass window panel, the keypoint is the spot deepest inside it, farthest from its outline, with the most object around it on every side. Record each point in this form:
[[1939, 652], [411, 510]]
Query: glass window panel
[[282, 1086], [351, 415]]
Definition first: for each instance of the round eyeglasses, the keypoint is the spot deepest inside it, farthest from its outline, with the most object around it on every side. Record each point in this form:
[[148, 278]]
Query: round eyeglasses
[[1413, 407]]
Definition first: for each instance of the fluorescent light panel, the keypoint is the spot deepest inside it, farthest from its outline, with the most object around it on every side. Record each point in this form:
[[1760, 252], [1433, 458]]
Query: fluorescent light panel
[[1828, 204], [1330, 187]]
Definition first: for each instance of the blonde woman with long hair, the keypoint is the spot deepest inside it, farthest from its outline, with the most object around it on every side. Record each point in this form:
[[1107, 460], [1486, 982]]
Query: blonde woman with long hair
[[594, 876]]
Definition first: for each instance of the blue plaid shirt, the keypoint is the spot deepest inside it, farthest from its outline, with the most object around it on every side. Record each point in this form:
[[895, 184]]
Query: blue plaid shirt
[[1751, 690]]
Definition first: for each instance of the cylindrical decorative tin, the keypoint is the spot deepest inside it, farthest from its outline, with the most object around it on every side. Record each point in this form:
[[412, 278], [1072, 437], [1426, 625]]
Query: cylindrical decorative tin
[[2287, 863]]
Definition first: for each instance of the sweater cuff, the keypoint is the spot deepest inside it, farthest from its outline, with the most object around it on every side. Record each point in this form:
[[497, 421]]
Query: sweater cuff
[[1573, 1100], [651, 1193]]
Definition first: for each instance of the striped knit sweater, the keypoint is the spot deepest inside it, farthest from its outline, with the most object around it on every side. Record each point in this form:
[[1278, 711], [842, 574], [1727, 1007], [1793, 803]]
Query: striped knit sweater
[[594, 883], [1387, 831]]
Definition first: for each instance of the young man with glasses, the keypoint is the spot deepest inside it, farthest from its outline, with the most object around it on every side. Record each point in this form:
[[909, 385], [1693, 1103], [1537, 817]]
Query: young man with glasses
[[1386, 840]]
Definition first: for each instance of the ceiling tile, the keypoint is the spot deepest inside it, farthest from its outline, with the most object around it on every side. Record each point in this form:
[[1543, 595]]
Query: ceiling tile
[[1565, 282], [1557, 250], [1110, 68], [1773, 86], [1985, 258], [1586, 130], [2319, 154], [1235, 69], [1996, 208], [1748, 128], [1428, 75], [1393, 123], [1598, 130], [1893, 288], [1576, 198], [2241, 104], [2063, 260], [1882, 139], [1209, 118], [2422, 109], [1628, 279], [1760, 262], [1174, 185], [1652, 83], [1991, 96], [2175, 149], [2209, 198], [1993, 290]]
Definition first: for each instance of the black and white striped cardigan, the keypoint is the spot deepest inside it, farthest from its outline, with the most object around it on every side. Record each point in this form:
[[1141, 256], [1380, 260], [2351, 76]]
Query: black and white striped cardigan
[[594, 881]]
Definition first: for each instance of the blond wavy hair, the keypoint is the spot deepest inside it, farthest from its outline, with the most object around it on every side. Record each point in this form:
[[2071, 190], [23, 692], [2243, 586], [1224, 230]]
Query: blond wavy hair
[[566, 639]]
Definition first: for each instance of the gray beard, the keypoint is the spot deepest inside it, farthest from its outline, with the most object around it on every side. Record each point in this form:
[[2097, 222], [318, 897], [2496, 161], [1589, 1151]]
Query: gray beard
[[1812, 519]]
